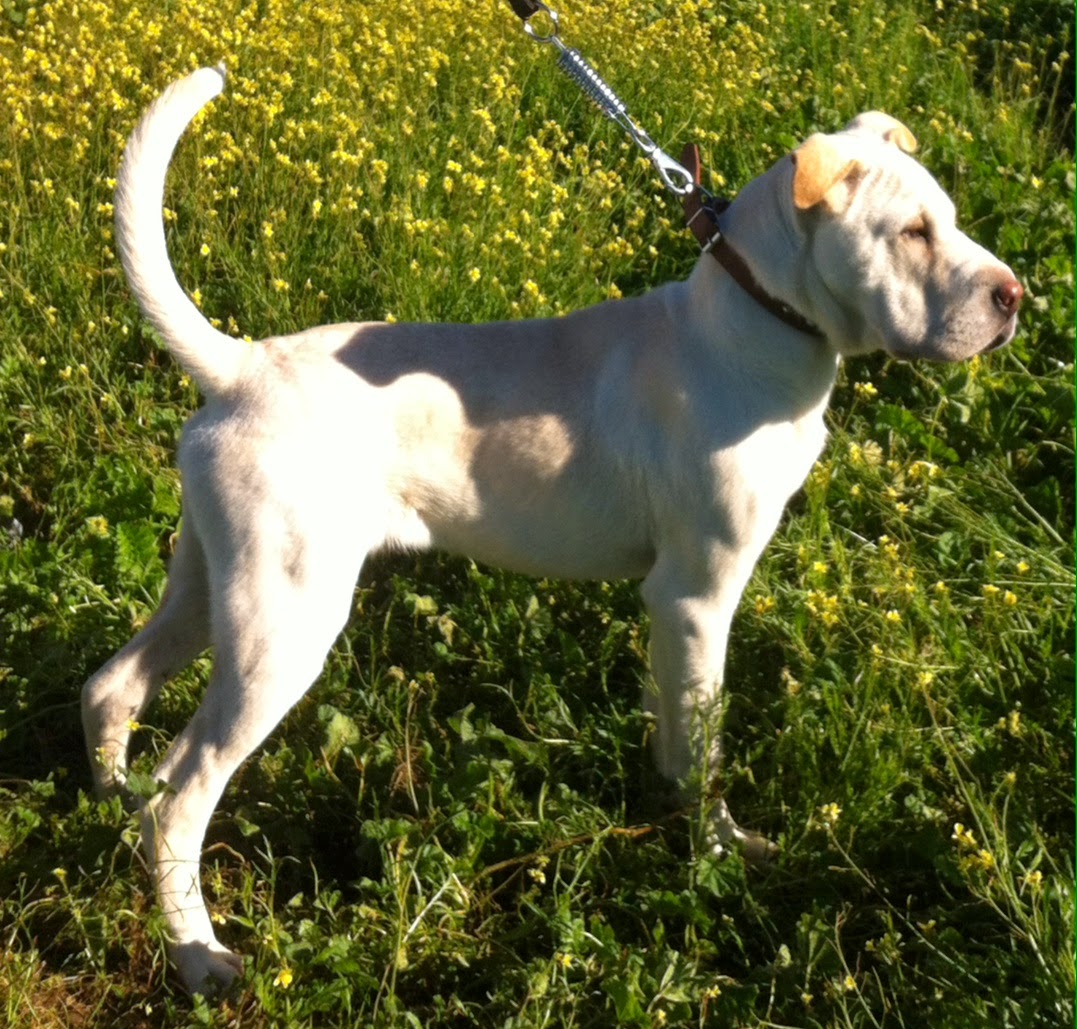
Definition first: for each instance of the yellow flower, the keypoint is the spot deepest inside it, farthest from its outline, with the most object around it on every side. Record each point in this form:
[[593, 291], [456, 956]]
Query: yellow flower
[[872, 453], [923, 469], [764, 605], [1011, 723], [284, 978], [97, 525], [791, 683], [824, 606], [965, 837], [1034, 880], [830, 813], [985, 859]]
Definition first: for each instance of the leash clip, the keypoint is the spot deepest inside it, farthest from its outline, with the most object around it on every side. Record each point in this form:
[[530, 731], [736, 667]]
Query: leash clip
[[677, 178]]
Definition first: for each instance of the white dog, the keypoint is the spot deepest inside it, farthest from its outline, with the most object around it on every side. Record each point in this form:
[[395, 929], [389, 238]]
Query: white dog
[[657, 438]]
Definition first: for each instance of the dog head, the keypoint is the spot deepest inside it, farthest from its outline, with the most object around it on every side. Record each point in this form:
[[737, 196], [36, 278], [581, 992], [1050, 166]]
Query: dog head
[[885, 265]]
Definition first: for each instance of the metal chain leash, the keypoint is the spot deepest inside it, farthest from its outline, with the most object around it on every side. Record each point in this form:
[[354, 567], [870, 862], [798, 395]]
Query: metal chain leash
[[674, 175], [702, 209]]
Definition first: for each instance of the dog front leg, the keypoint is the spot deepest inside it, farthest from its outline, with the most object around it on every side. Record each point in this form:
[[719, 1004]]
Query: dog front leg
[[690, 621]]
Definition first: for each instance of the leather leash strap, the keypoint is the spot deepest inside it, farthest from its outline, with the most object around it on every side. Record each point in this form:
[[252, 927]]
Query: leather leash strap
[[703, 221], [525, 8]]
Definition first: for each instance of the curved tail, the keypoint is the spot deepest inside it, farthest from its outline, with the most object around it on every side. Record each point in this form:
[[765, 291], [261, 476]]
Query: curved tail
[[214, 360]]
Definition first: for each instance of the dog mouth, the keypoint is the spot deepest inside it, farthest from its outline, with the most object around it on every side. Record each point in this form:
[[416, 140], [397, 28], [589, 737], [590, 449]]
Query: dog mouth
[[955, 351], [1004, 337]]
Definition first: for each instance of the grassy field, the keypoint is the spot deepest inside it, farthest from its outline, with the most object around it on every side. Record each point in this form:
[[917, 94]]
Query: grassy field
[[459, 825]]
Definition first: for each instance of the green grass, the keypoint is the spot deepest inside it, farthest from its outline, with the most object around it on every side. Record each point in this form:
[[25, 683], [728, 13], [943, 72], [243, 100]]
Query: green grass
[[459, 825]]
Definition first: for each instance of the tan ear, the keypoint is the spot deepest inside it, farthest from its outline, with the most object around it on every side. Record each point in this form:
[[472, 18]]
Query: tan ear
[[883, 125], [902, 138], [819, 168]]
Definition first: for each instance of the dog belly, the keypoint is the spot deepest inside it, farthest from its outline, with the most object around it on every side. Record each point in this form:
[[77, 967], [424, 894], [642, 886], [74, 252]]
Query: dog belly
[[574, 525], [529, 488], [546, 546]]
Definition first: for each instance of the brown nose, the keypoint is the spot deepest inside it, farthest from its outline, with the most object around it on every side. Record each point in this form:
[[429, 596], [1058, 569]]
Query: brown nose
[[1007, 296]]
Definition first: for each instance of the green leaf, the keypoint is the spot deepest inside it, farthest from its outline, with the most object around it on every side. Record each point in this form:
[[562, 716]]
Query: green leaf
[[137, 556], [142, 784], [340, 732], [420, 604], [910, 428], [625, 996], [245, 825]]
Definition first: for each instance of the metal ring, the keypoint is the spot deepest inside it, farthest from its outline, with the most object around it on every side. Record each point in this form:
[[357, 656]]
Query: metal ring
[[539, 37]]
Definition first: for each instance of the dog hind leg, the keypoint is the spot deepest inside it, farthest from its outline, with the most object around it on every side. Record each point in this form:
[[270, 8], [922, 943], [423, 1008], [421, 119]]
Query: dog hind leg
[[273, 623], [117, 695]]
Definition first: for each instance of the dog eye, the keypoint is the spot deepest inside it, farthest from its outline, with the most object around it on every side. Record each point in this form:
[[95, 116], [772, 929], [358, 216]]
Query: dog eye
[[918, 230]]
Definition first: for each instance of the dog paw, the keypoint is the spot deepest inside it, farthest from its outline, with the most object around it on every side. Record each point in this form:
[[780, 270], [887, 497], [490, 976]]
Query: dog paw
[[206, 968], [755, 847]]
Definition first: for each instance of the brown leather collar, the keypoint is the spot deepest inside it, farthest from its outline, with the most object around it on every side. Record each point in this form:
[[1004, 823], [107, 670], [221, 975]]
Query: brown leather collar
[[703, 221]]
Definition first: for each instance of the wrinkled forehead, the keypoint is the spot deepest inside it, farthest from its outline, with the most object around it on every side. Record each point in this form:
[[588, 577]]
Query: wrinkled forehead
[[894, 178]]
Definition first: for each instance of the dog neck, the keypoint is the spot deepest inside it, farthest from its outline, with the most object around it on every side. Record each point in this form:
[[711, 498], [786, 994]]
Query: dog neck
[[799, 370], [703, 221], [733, 263], [702, 216]]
